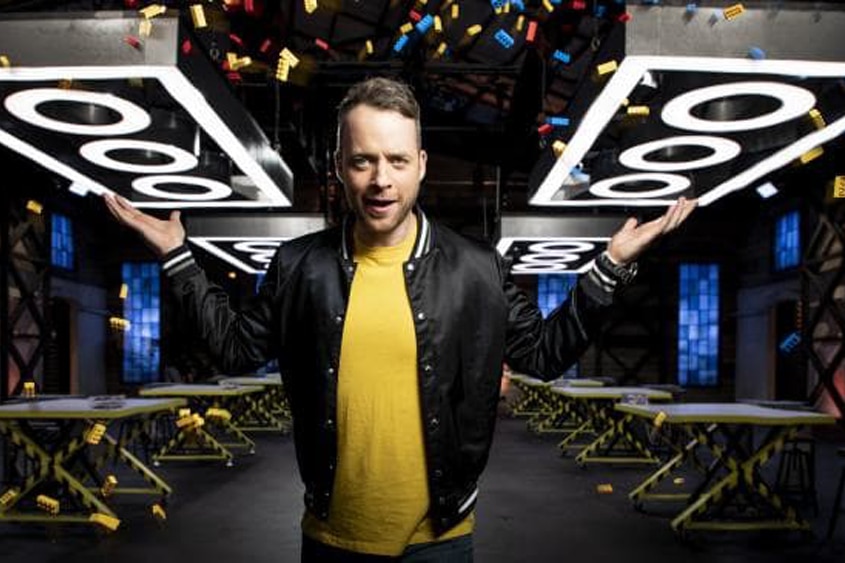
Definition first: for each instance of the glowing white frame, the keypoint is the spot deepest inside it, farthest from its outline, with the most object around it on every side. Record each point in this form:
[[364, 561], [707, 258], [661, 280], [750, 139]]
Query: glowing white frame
[[207, 243], [626, 78], [505, 244], [181, 89]]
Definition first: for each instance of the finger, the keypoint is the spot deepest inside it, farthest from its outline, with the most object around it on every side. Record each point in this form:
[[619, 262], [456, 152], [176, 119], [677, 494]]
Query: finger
[[684, 211], [175, 216], [114, 208], [674, 215], [630, 224]]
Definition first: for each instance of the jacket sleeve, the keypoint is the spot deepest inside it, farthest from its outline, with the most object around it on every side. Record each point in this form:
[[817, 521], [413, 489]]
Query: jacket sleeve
[[238, 340], [546, 348]]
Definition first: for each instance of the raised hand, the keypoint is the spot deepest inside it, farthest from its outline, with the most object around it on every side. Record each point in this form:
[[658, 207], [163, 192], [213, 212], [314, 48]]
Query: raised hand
[[632, 239], [161, 236]]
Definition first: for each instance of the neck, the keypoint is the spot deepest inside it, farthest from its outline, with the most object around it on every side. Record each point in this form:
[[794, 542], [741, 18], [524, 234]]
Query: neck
[[390, 238]]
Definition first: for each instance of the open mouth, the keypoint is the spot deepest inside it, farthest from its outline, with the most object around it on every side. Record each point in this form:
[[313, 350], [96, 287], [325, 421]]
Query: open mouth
[[378, 204]]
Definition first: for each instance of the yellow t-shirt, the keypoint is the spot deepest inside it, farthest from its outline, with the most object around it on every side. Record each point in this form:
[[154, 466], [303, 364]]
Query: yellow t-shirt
[[380, 496]]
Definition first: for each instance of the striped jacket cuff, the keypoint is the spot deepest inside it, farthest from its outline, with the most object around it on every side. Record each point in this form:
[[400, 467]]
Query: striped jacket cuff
[[605, 277], [177, 260]]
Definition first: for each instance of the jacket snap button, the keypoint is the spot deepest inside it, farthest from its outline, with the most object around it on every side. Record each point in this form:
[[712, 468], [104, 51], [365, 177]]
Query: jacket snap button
[[410, 267], [421, 316], [434, 423]]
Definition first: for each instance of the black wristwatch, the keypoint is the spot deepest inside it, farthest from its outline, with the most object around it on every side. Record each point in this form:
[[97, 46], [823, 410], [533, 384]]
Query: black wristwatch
[[623, 273]]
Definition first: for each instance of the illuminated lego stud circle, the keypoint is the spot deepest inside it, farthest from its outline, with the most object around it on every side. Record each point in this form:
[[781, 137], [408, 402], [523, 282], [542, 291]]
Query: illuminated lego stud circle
[[552, 256], [722, 150], [98, 153], [214, 189], [24, 106], [795, 102], [673, 184]]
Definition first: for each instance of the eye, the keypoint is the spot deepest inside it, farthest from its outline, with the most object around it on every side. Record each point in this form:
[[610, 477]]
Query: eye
[[359, 162]]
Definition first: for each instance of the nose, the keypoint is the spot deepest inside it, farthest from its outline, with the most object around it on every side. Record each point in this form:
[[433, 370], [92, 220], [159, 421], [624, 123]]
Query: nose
[[381, 174]]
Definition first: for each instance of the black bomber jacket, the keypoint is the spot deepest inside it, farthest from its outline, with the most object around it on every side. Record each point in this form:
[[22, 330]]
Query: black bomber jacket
[[469, 319]]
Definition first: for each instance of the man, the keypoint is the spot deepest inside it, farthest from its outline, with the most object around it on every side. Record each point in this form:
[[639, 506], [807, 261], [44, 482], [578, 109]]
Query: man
[[390, 332]]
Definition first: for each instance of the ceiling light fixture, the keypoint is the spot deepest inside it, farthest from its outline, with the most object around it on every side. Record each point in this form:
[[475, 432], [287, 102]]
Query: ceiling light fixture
[[115, 93], [752, 78]]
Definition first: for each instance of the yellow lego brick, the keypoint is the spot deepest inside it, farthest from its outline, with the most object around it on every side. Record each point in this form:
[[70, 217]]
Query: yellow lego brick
[[659, 419], [548, 6], [184, 422], [604, 489], [474, 30], [94, 434], [455, 11], [47, 504], [606, 68], [839, 187], [237, 63], [217, 413], [558, 147], [109, 485], [310, 6], [811, 155], [678, 481], [29, 388], [520, 22], [34, 207], [368, 46], [4, 61], [292, 59], [184, 412], [406, 28], [638, 111], [145, 27], [441, 49], [198, 16], [158, 512], [818, 118], [7, 497], [438, 24], [153, 10], [734, 11], [108, 522], [283, 71]]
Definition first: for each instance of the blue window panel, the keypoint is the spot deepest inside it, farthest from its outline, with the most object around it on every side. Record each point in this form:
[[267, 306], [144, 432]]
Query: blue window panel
[[61, 242], [698, 324], [787, 243], [552, 290], [141, 349]]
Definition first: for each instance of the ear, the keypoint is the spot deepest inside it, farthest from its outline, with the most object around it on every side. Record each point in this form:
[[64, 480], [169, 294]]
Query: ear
[[423, 161]]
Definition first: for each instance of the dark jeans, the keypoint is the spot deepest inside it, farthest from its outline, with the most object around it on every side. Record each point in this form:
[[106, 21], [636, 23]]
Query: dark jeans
[[457, 550]]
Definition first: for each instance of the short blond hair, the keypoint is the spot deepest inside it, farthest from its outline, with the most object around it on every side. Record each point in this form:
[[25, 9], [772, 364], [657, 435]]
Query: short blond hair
[[381, 93]]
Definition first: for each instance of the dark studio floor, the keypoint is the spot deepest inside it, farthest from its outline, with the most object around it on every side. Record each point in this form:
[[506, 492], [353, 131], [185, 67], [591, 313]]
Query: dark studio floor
[[534, 506]]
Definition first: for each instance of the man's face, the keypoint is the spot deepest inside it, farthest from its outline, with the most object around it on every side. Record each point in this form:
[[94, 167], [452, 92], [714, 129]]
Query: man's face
[[381, 166]]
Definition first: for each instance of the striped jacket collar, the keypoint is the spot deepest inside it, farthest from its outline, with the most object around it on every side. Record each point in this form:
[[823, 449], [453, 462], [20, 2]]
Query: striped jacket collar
[[422, 245]]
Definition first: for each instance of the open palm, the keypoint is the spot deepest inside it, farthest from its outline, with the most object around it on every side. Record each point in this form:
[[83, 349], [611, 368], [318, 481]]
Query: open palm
[[632, 239], [160, 235]]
